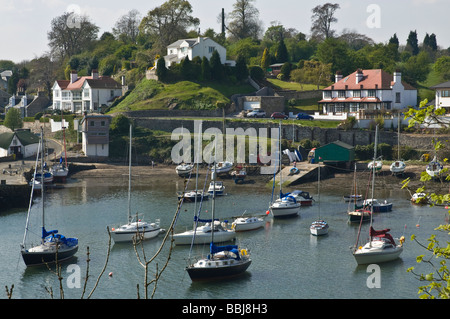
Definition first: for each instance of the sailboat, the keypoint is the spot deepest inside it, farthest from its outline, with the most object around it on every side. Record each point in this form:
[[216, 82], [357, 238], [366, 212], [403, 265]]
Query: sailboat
[[53, 247], [61, 170], [319, 227], [134, 228], [434, 168], [286, 205], [398, 167], [381, 247], [202, 234], [222, 261], [357, 215]]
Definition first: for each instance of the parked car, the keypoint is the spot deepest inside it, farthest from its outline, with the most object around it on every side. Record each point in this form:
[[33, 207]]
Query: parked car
[[256, 113], [279, 115], [304, 116]]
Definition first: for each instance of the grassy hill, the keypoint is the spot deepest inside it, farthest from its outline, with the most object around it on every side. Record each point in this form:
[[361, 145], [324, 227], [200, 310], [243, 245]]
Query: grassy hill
[[184, 95]]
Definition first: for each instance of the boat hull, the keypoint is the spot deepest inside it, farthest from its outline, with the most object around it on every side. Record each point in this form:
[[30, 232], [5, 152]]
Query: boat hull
[[42, 257], [355, 216], [128, 236], [377, 256], [319, 231], [284, 210], [203, 238], [243, 225], [217, 271]]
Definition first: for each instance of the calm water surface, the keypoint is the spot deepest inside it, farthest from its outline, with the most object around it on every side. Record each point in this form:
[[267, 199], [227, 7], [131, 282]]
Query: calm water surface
[[288, 262]]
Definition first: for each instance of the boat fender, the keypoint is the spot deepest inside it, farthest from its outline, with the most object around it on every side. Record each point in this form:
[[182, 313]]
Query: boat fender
[[243, 252], [233, 226], [402, 240]]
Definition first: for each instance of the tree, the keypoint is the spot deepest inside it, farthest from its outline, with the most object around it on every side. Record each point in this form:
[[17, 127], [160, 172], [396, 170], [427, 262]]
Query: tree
[[244, 21], [13, 119], [127, 27], [265, 60], [67, 39], [169, 22], [430, 42], [442, 67], [161, 70], [313, 72], [335, 51], [394, 40], [322, 18], [416, 68], [206, 69], [355, 40], [217, 71], [241, 70], [437, 282], [412, 44], [281, 55]]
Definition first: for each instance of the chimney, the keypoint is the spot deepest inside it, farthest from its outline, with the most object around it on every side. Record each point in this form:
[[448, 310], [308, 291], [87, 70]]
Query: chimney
[[397, 76], [337, 77], [359, 76], [94, 74], [73, 76]]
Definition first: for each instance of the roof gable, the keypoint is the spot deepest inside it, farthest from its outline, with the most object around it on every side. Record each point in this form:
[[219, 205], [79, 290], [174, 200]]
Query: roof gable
[[371, 80]]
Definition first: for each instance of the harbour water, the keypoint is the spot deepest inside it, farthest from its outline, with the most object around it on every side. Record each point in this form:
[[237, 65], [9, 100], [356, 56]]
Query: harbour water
[[288, 262]]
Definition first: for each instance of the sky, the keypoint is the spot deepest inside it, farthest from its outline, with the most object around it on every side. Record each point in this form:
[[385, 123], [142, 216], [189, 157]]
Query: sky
[[24, 23]]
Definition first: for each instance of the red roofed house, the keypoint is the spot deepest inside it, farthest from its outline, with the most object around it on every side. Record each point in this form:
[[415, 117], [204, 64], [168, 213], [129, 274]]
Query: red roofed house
[[85, 94], [367, 90]]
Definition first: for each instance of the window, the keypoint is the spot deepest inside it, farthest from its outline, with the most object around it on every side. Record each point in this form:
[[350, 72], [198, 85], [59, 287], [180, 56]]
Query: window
[[91, 123], [111, 94], [341, 93], [103, 123], [327, 94], [371, 93], [211, 49], [445, 93], [86, 92], [357, 93], [397, 97]]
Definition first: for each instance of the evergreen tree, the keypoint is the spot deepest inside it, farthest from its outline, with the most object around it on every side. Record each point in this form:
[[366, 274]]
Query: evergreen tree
[[241, 70], [394, 40], [281, 55], [206, 69], [217, 71], [186, 69], [161, 70], [265, 60], [430, 41], [412, 44]]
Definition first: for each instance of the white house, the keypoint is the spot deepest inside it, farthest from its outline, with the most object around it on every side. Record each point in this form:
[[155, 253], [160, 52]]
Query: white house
[[442, 95], [21, 143], [85, 94], [201, 47], [367, 90]]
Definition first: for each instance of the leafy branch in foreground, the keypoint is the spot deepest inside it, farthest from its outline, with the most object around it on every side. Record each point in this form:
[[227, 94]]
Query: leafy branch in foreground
[[439, 279]]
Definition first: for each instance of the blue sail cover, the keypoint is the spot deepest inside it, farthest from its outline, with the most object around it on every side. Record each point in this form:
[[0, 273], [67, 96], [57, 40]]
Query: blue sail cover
[[53, 235], [217, 249], [196, 219], [46, 233]]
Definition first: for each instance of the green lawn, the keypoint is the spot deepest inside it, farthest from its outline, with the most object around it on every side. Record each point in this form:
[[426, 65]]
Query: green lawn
[[283, 85], [151, 94]]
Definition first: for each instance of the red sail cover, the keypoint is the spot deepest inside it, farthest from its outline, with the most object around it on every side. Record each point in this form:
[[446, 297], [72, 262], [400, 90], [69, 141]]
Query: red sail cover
[[381, 233]]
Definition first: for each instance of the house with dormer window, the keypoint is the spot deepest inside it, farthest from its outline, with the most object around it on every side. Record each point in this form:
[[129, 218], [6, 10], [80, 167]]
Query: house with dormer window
[[196, 47], [367, 90], [86, 93]]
